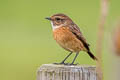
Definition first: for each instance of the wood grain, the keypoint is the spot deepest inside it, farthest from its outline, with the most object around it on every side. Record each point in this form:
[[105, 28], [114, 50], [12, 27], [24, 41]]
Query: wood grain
[[62, 72]]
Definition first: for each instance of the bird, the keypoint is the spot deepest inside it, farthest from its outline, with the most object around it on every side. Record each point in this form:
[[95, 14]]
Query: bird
[[68, 35]]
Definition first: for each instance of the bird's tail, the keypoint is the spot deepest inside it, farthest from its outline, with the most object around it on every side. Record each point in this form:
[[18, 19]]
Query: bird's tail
[[92, 56]]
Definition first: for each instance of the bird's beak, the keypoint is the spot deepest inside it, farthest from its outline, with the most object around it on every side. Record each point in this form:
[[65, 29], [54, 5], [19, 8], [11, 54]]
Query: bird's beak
[[48, 18]]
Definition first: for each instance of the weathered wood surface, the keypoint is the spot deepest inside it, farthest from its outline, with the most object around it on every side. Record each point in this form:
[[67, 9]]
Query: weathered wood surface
[[62, 72]]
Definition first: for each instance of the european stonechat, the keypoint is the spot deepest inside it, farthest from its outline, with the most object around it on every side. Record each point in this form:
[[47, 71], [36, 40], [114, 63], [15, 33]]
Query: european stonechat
[[68, 35]]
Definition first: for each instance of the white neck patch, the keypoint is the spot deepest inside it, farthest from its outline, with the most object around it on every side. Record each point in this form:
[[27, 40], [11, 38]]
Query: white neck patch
[[54, 27]]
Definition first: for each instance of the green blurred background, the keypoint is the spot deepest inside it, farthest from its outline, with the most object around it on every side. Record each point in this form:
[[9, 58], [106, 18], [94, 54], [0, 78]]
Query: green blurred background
[[26, 40]]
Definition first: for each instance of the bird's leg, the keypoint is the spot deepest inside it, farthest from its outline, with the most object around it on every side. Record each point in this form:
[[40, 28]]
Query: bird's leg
[[64, 59], [74, 59]]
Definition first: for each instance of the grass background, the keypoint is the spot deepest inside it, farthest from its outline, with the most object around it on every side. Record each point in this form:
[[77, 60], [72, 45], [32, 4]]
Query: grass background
[[26, 40]]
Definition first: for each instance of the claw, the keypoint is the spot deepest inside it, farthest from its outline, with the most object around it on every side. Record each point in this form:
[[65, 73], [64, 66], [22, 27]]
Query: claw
[[70, 64], [65, 63], [59, 63]]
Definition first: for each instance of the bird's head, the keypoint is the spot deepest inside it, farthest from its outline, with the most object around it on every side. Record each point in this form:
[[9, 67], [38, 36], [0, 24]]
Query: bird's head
[[59, 20]]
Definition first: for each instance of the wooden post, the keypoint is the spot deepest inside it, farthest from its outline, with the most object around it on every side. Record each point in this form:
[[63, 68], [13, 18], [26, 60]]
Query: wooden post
[[64, 72]]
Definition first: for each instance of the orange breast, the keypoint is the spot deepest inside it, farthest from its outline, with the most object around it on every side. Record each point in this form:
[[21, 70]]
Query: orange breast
[[67, 39]]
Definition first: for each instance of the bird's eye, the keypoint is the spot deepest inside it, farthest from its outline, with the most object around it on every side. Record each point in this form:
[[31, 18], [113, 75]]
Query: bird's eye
[[58, 19]]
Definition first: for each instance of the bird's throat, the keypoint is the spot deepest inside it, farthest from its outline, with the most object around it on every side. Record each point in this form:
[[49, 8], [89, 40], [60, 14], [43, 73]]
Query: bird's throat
[[55, 27]]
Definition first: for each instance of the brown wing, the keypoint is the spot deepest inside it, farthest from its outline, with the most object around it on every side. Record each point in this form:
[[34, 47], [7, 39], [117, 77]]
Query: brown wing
[[76, 31]]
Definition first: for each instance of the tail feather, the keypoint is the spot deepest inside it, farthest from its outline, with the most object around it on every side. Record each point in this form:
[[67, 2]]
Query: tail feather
[[92, 56]]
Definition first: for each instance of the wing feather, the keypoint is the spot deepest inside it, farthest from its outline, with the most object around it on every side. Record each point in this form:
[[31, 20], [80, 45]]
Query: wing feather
[[76, 31]]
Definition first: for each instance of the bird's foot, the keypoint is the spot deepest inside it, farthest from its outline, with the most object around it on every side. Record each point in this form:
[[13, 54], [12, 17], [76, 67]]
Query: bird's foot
[[59, 63], [70, 64], [65, 63]]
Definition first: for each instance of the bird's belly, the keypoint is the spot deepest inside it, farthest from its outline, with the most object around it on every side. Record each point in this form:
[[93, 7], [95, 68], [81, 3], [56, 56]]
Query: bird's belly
[[67, 40]]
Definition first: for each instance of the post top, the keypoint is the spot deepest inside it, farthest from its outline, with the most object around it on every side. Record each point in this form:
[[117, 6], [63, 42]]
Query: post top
[[53, 67], [72, 66], [66, 72]]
